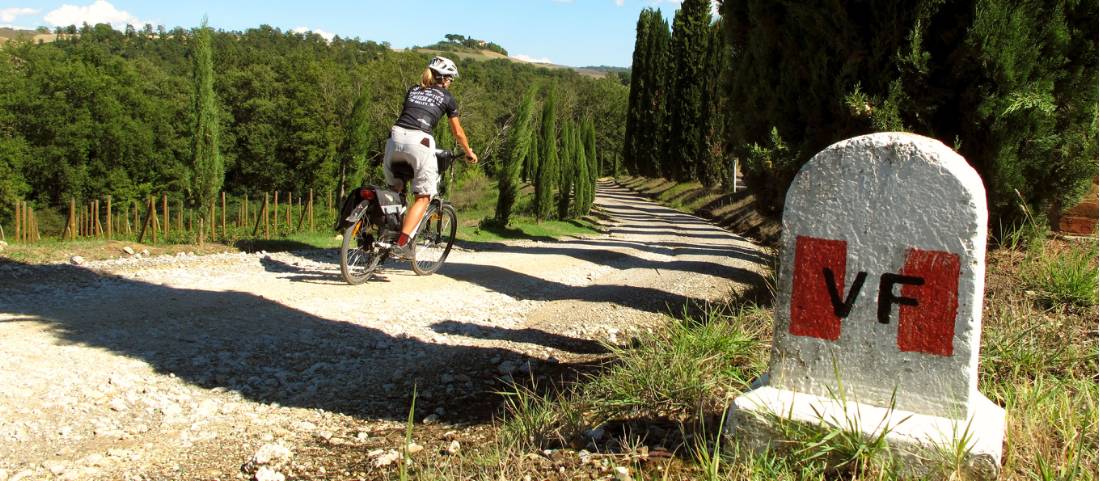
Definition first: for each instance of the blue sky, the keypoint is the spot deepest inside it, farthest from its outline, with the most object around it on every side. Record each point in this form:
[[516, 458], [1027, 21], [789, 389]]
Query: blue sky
[[567, 32]]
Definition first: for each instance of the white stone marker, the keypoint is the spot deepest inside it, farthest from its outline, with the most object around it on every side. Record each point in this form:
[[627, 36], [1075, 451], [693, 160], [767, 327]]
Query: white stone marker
[[879, 312]]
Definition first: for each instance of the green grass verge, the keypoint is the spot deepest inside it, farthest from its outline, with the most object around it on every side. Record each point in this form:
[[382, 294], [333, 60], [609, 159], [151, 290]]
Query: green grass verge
[[1038, 361]]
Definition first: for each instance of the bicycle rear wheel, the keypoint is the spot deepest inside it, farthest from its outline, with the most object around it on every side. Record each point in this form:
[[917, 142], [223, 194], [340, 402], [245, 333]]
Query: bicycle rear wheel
[[358, 256], [435, 238]]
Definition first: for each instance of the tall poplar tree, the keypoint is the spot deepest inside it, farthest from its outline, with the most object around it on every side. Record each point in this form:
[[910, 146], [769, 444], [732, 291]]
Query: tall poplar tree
[[690, 32], [519, 146], [207, 164]]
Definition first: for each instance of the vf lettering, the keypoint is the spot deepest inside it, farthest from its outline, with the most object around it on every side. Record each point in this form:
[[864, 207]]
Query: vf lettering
[[927, 303]]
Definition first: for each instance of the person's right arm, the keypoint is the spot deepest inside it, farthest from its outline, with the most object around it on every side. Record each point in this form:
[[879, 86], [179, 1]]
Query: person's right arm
[[460, 136]]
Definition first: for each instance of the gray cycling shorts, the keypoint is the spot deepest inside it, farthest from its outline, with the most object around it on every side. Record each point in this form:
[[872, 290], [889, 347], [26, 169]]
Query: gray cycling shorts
[[408, 145]]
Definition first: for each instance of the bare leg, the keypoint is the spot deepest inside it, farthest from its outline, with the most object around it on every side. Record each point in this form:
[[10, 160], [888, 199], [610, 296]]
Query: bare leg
[[415, 212]]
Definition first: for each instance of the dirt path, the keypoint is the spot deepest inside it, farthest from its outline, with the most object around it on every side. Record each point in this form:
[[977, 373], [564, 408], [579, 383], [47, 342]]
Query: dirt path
[[183, 367]]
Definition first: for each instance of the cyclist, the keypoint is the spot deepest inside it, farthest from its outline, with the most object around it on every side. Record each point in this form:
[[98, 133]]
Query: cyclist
[[411, 142]]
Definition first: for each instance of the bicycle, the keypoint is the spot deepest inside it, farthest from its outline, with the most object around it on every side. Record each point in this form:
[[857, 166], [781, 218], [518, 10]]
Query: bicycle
[[371, 222]]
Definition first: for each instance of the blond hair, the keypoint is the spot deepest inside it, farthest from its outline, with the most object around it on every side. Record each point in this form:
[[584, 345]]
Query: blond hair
[[427, 79]]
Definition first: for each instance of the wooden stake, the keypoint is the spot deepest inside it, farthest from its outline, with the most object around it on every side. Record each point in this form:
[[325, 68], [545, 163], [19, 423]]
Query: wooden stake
[[70, 222], [275, 218], [167, 216], [34, 227], [156, 221], [179, 215], [148, 218], [110, 226], [213, 220], [223, 217], [267, 218], [18, 221], [202, 231], [289, 210], [310, 208], [98, 226]]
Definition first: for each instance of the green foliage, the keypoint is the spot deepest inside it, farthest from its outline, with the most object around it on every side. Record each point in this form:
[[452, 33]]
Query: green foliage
[[567, 169], [518, 148], [101, 112], [548, 158], [1011, 85], [763, 163], [582, 182], [209, 169], [644, 136], [685, 149]]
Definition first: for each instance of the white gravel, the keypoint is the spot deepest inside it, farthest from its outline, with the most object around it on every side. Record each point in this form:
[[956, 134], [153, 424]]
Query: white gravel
[[190, 367]]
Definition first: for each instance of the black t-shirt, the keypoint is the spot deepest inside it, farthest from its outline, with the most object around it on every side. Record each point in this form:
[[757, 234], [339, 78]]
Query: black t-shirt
[[424, 106]]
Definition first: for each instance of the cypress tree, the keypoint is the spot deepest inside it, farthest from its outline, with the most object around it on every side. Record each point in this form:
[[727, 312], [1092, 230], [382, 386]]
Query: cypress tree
[[567, 166], [655, 118], [519, 143], [593, 163], [1011, 85], [690, 31], [646, 125], [548, 158], [635, 107], [583, 178], [715, 164], [207, 165]]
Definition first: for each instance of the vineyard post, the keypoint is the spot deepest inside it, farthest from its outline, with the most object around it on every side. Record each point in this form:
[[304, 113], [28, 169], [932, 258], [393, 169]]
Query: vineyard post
[[98, 226], [202, 230], [156, 218], [70, 223], [223, 217], [179, 215], [18, 221], [310, 208], [110, 227], [301, 215], [144, 225], [275, 215], [167, 215], [267, 218], [34, 223], [289, 211]]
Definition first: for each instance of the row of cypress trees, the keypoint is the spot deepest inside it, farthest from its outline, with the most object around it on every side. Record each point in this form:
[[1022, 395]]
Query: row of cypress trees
[[676, 118], [559, 161], [1010, 84]]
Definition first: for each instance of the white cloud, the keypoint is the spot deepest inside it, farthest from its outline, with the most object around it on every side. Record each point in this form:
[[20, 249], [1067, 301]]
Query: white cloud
[[326, 35], [620, 2], [99, 11], [10, 14], [529, 59]]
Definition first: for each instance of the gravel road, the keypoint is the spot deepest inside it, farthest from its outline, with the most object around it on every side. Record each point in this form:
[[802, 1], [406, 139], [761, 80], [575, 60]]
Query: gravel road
[[188, 367]]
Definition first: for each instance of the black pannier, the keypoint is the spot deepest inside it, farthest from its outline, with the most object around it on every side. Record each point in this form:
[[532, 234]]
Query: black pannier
[[350, 202]]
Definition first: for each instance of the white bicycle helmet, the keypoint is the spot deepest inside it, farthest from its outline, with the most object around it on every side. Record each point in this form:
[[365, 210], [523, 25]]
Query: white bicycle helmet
[[443, 66]]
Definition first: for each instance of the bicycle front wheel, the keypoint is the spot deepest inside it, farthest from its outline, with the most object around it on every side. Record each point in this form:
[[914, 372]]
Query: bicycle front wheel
[[435, 238], [358, 256]]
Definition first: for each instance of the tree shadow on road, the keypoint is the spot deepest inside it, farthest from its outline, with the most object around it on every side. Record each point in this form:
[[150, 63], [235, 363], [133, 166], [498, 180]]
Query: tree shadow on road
[[266, 351]]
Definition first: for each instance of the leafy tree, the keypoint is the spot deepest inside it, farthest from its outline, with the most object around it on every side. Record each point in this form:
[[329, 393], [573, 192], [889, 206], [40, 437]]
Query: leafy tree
[[209, 171]]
